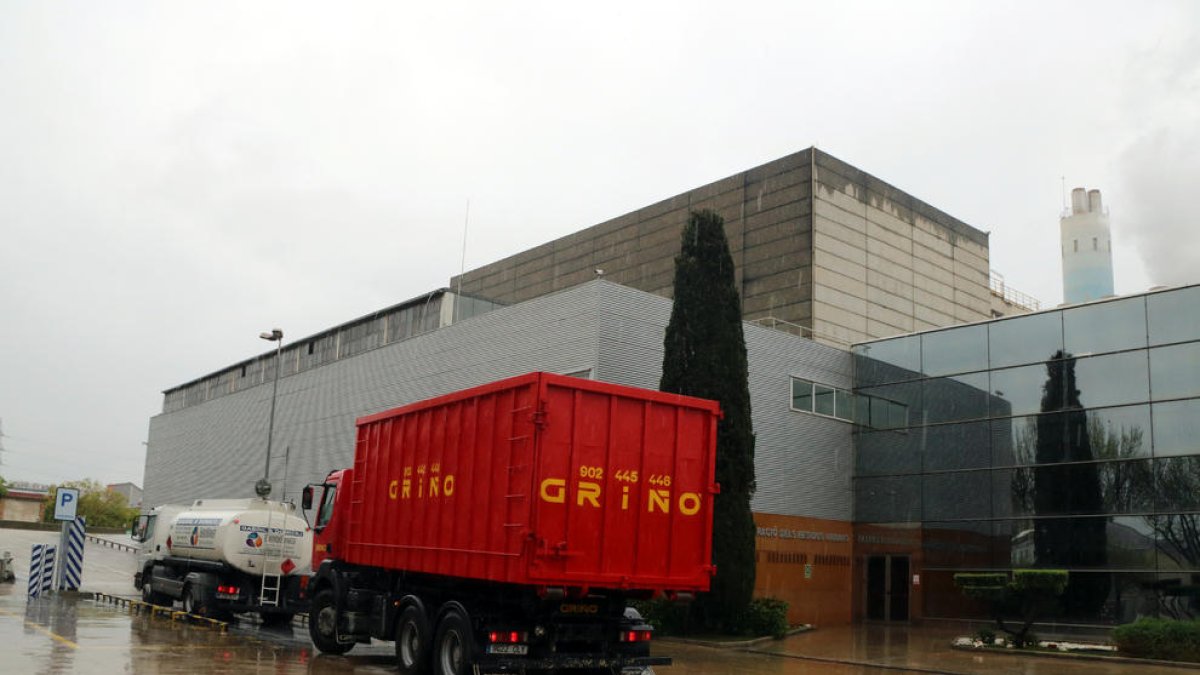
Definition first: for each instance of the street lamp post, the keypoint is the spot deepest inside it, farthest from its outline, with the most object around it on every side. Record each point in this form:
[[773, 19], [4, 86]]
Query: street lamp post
[[263, 487]]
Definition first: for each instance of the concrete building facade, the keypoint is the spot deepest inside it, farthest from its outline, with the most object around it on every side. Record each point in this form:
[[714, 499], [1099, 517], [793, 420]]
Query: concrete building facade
[[819, 245]]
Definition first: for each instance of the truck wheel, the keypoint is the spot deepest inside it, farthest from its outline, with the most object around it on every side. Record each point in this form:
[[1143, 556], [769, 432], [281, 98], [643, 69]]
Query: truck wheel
[[454, 648], [412, 641], [192, 604], [322, 625], [150, 596]]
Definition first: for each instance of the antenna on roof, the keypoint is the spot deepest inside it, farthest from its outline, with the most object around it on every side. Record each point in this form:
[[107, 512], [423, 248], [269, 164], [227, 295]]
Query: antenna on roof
[[1064, 193], [462, 269]]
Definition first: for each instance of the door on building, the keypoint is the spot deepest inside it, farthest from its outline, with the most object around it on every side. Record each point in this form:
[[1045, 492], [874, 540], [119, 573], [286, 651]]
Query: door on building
[[887, 587]]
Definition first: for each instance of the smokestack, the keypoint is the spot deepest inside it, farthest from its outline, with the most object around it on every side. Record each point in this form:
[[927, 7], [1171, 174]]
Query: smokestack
[[1079, 201], [1094, 201]]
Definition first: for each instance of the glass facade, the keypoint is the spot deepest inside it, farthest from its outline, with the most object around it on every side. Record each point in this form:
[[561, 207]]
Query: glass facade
[[1067, 439]]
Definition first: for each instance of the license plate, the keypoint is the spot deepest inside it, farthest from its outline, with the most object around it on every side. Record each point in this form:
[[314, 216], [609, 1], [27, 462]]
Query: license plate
[[519, 650]]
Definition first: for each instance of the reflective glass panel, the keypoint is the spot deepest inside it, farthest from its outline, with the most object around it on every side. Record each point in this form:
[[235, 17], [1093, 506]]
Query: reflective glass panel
[[1028, 440], [959, 544], [1073, 489], [823, 399], [956, 446], [956, 350], [887, 499], [801, 394], [888, 361], [957, 495], [887, 452], [1177, 484], [1178, 546], [1019, 391], [1118, 433], [843, 404], [1025, 339], [890, 404], [1105, 326], [1177, 428], [1120, 542], [1109, 380], [1174, 316], [1172, 594], [1175, 371], [962, 397]]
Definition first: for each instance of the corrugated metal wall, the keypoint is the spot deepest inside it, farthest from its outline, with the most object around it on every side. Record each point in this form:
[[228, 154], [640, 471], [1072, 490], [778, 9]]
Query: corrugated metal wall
[[215, 448], [803, 462]]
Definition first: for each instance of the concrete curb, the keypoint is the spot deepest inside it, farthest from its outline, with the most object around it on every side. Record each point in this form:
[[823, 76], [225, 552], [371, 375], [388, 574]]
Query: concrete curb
[[733, 644], [1115, 660]]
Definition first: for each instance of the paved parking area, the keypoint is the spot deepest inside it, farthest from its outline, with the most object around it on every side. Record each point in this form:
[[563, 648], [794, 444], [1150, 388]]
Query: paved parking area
[[72, 634]]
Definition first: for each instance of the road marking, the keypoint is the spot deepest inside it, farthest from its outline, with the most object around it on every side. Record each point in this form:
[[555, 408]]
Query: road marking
[[42, 629]]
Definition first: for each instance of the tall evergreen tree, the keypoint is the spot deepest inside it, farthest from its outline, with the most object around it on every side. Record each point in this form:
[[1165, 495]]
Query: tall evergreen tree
[[705, 356]]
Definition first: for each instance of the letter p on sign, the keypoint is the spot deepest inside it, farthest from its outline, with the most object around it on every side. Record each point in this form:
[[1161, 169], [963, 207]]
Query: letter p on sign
[[66, 501]]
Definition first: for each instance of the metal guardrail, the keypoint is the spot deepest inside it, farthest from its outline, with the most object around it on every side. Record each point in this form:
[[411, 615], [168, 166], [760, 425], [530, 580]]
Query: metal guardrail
[[113, 544], [1012, 295], [141, 607]]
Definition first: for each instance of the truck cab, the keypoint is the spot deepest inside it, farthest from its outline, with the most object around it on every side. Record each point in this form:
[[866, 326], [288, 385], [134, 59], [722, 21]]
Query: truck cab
[[325, 526]]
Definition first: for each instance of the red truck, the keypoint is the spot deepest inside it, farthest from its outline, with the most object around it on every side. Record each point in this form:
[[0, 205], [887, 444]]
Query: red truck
[[504, 528]]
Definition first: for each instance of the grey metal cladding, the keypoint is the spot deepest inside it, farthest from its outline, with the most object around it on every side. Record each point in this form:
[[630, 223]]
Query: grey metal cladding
[[216, 448], [803, 462]]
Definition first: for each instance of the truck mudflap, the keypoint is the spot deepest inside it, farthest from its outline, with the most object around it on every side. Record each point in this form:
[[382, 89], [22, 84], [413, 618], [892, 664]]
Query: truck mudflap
[[488, 661]]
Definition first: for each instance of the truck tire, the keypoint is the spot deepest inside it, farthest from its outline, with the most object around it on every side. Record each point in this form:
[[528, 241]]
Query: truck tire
[[322, 624], [153, 597], [412, 641], [454, 648], [192, 604]]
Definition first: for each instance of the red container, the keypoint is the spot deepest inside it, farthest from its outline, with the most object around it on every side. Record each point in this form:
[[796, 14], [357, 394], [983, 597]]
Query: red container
[[542, 480]]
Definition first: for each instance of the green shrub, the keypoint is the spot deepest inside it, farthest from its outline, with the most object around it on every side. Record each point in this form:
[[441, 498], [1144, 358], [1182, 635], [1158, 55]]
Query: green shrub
[[668, 618], [986, 635], [1165, 639], [764, 616]]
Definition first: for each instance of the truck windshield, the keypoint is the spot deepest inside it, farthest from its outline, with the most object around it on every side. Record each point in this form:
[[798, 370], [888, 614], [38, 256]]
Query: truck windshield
[[326, 511]]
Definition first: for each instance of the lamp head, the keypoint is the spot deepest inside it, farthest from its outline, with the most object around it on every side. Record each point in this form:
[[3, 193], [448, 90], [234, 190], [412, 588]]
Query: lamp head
[[275, 334]]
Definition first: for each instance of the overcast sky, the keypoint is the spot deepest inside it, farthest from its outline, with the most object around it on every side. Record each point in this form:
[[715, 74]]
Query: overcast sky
[[175, 179]]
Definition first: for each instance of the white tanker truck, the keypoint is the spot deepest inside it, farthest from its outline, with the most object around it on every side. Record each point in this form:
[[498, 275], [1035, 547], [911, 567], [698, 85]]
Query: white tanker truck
[[221, 556]]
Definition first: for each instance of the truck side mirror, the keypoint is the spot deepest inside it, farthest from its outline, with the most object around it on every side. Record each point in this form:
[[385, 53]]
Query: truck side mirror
[[306, 498]]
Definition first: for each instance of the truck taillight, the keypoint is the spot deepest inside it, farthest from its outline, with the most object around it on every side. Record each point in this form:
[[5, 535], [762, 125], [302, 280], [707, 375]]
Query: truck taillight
[[228, 590], [507, 637], [635, 635]]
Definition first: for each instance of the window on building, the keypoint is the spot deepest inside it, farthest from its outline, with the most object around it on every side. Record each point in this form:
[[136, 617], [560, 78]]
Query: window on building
[[1095, 244], [823, 400], [802, 395], [1077, 246]]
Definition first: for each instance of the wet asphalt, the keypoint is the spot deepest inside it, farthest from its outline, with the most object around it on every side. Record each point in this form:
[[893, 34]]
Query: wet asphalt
[[76, 633]]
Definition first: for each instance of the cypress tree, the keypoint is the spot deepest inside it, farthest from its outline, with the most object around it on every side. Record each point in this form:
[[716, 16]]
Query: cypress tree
[[705, 356]]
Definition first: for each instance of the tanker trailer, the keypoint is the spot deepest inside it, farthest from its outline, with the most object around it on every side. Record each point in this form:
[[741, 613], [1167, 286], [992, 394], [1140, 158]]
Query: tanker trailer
[[504, 528], [221, 556]]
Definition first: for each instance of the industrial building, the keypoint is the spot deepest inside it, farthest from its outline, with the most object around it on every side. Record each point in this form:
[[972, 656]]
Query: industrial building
[[882, 468], [818, 245]]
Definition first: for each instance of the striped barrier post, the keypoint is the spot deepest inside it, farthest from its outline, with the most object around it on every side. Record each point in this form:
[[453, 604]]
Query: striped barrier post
[[73, 558], [41, 569]]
